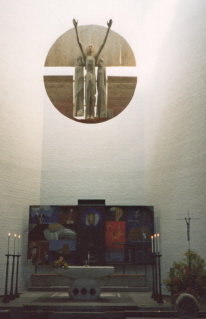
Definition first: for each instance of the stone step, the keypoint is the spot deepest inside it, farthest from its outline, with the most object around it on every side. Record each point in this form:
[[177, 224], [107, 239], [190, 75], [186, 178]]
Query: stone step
[[103, 289], [114, 280]]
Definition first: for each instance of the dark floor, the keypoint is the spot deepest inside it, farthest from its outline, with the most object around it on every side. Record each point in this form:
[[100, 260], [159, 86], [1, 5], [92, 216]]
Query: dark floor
[[137, 299], [132, 304]]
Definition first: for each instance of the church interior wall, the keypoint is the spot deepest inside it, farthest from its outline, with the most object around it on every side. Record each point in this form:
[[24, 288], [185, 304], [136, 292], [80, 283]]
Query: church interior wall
[[153, 153]]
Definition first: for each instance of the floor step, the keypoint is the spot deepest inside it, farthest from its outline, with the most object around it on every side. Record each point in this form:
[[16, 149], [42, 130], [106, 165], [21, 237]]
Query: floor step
[[103, 289]]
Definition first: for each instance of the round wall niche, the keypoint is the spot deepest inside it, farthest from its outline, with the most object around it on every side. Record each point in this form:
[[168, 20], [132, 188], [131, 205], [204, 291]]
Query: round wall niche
[[118, 59]]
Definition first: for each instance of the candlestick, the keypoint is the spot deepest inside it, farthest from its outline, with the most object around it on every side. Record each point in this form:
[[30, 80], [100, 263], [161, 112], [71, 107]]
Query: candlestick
[[16, 294], [8, 241], [158, 243], [159, 299], [6, 297], [11, 296], [120, 55], [14, 242], [18, 244], [155, 243], [152, 244]]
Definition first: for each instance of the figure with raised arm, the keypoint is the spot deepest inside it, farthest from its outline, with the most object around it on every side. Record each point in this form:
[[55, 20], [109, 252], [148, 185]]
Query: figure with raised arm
[[90, 60], [79, 88], [101, 89]]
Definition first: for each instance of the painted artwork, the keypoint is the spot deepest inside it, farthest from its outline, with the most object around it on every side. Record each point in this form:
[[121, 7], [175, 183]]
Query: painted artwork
[[139, 228], [90, 233], [52, 232], [43, 215], [64, 248], [38, 252], [115, 241], [137, 232], [143, 253], [115, 213]]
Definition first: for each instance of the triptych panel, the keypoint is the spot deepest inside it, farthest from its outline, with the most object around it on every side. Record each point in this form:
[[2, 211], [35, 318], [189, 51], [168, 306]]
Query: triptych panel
[[90, 232]]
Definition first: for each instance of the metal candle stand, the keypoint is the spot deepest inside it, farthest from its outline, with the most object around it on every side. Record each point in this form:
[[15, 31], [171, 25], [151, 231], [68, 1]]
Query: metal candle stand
[[7, 297], [156, 276], [16, 294], [153, 282]]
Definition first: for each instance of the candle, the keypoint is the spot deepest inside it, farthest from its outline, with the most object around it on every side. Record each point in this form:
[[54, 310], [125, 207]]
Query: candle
[[152, 244], [8, 241], [155, 243], [158, 243], [14, 242], [18, 243]]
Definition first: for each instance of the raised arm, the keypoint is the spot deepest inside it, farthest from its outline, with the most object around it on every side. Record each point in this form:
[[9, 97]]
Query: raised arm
[[105, 39], [79, 43]]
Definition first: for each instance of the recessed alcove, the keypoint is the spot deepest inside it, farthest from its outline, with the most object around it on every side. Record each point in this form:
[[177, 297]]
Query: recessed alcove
[[116, 54]]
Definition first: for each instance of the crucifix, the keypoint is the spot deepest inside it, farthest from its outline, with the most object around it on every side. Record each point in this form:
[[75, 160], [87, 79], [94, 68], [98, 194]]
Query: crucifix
[[188, 219]]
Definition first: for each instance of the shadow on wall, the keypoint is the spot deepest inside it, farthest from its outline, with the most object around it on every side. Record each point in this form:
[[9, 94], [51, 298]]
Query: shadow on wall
[[175, 121]]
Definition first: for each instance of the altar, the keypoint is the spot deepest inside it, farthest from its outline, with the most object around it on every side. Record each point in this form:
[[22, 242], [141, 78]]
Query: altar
[[84, 285]]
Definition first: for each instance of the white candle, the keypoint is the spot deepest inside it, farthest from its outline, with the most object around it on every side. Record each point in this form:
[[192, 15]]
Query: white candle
[[158, 243], [8, 241], [152, 244], [155, 243], [18, 243], [14, 242]]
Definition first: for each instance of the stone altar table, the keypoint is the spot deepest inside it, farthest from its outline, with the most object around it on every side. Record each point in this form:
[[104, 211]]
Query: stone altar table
[[84, 284]]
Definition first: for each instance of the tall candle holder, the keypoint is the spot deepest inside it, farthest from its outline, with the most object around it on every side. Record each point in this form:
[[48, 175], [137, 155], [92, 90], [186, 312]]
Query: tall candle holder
[[11, 296], [156, 278], [16, 294], [5, 298], [159, 299], [153, 279]]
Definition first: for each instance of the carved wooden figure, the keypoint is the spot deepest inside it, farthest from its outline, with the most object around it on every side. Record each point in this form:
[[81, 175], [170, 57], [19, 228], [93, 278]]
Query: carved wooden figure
[[102, 90], [90, 60], [79, 88]]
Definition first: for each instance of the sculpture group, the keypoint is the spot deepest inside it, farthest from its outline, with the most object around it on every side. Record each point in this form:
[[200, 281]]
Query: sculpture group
[[87, 92]]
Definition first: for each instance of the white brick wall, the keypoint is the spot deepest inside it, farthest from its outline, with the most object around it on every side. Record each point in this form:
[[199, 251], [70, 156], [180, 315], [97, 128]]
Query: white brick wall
[[153, 153], [22, 98]]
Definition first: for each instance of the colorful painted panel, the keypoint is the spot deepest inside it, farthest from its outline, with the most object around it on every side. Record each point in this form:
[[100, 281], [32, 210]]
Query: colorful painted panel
[[43, 215], [38, 252], [52, 232], [115, 241], [115, 213], [139, 228], [143, 253], [90, 233], [64, 248]]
